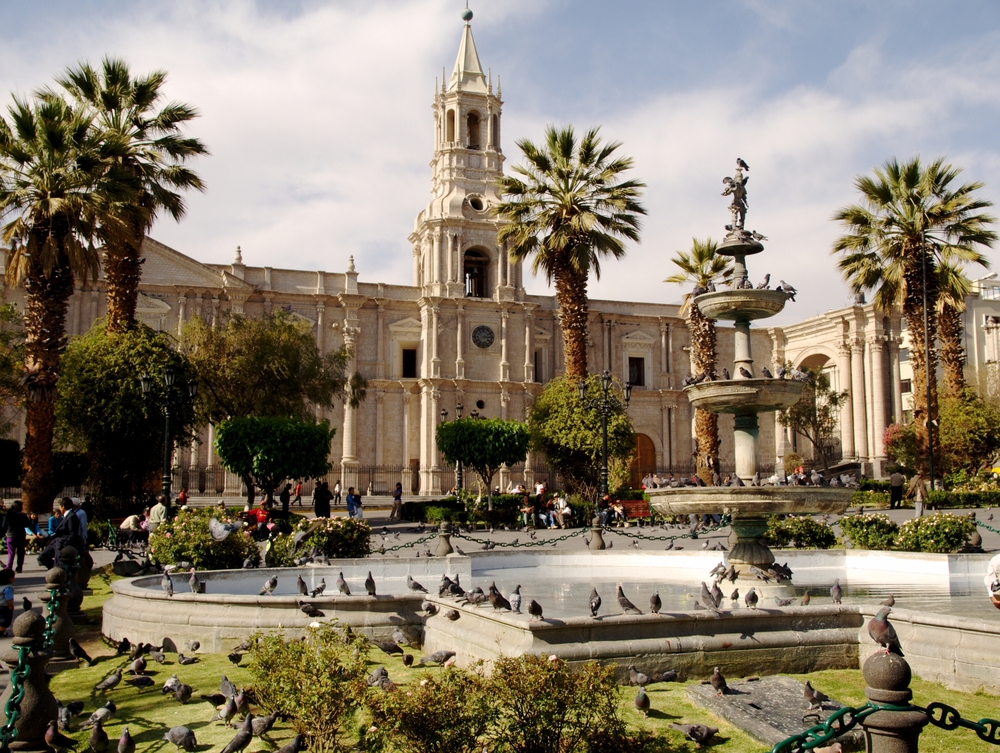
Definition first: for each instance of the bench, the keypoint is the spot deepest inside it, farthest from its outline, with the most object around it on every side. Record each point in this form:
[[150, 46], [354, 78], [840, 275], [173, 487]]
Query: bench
[[636, 509]]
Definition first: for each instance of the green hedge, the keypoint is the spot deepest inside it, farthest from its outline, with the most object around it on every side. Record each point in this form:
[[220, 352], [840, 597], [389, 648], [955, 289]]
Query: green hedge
[[801, 531], [870, 531], [871, 485], [937, 499], [941, 532]]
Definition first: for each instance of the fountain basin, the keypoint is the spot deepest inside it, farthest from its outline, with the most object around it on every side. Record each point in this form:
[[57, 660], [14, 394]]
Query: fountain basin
[[744, 396], [743, 501], [741, 305]]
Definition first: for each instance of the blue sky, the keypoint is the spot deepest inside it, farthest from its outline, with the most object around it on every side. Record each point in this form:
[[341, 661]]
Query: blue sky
[[318, 114]]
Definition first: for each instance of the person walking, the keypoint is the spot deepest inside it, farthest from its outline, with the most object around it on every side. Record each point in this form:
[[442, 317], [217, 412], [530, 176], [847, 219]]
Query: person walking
[[336, 492], [397, 502], [298, 494], [321, 500], [896, 482], [917, 491], [17, 536], [353, 504], [285, 498]]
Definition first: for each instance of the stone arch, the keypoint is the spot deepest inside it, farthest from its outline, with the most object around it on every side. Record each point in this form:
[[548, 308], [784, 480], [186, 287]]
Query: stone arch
[[476, 272], [472, 130], [450, 126]]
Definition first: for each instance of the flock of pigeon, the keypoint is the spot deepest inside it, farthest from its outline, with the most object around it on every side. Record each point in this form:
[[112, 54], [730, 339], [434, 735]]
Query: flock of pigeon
[[743, 283], [780, 372]]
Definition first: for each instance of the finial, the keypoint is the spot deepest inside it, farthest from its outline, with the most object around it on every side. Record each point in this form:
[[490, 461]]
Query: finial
[[350, 265], [239, 256], [466, 14]]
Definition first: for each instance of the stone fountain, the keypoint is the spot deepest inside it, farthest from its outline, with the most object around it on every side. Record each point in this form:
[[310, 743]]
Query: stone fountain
[[746, 396]]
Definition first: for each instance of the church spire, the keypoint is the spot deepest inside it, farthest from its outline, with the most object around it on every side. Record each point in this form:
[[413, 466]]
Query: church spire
[[468, 74]]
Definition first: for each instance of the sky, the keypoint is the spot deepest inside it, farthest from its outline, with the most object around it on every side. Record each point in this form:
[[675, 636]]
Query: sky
[[318, 114]]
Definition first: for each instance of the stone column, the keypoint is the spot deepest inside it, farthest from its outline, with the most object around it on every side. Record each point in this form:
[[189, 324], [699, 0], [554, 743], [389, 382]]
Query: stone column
[[433, 418], [665, 438], [350, 413], [877, 345], [181, 307], [460, 340], [897, 392], [416, 265], [215, 310], [450, 256], [605, 346], [858, 400], [529, 351], [847, 413], [435, 361], [664, 353], [407, 479], [321, 326], [504, 364], [436, 258], [380, 343]]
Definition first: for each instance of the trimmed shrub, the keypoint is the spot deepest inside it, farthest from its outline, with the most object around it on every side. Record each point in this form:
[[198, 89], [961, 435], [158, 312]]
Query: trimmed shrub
[[317, 682], [186, 538], [870, 499], [630, 494], [940, 532], [799, 531], [504, 512], [871, 485], [448, 711], [870, 531], [337, 538]]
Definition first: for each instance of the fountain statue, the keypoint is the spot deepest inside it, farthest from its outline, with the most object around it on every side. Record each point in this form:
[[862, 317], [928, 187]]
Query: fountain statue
[[746, 395]]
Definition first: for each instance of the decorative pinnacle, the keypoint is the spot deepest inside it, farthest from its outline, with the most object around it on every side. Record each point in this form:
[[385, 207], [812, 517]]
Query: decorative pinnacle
[[239, 256], [467, 15]]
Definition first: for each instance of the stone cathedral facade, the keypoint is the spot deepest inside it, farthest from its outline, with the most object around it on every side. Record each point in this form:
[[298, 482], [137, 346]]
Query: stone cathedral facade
[[466, 332]]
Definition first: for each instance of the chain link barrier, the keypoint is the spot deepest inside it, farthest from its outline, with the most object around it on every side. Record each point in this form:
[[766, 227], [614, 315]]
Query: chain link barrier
[[947, 717], [520, 544], [726, 520], [48, 636], [12, 709], [384, 550], [987, 527]]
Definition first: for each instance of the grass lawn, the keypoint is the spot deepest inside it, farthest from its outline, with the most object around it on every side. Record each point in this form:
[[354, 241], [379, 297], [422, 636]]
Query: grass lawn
[[149, 714]]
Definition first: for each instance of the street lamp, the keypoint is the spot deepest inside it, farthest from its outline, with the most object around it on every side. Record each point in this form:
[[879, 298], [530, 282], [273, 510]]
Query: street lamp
[[169, 379], [606, 402], [458, 467]]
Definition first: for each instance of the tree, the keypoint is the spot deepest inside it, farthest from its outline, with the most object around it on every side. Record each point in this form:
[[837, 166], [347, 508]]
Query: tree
[[702, 267], [153, 153], [102, 412], [970, 432], [909, 216], [571, 209], [483, 444], [954, 287], [270, 450], [569, 434], [11, 365], [815, 415], [267, 366], [56, 173]]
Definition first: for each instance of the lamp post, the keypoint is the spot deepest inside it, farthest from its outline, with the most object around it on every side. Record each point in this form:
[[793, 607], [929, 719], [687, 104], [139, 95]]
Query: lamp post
[[458, 466], [169, 380], [605, 402]]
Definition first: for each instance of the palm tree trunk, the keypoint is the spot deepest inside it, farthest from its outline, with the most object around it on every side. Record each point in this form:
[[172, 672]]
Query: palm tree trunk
[[706, 425], [571, 294], [950, 335], [921, 360], [46, 302], [122, 272]]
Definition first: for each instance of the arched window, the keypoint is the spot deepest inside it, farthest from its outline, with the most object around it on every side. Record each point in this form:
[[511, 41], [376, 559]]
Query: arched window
[[450, 126], [475, 267], [495, 132], [472, 129]]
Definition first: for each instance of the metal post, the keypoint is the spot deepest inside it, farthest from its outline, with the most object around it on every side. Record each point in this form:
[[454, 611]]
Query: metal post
[[927, 360], [604, 445], [458, 469], [166, 450]]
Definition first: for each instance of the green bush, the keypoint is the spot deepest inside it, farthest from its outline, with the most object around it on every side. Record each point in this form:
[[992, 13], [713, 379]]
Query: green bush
[[436, 514], [800, 531], [870, 531], [337, 538], [870, 499], [871, 485], [504, 512], [186, 538], [630, 494], [447, 712], [940, 532], [317, 682]]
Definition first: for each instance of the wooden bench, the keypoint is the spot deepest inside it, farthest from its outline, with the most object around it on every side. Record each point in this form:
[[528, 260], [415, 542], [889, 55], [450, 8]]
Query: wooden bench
[[636, 509]]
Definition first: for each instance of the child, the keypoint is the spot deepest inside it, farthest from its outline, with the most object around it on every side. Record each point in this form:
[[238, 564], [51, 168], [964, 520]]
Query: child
[[6, 600]]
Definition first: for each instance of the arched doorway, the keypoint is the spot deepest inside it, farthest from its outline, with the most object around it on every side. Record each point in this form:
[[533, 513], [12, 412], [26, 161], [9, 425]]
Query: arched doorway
[[644, 460]]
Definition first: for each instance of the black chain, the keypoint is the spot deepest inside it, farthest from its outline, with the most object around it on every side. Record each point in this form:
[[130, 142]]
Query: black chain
[[520, 544], [689, 534], [397, 547], [988, 528], [12, 710], [947, 717], [840, 721], [48, 636]]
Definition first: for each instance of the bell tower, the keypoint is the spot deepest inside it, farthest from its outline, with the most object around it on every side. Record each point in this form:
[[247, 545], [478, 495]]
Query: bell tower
[[455, 251]]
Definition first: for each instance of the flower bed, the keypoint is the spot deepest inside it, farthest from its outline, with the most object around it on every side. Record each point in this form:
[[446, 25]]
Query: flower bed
[[186, 538]]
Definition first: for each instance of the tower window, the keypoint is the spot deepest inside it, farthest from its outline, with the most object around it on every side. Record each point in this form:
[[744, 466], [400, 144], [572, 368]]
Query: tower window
[[409, 363], [475, 268], [450, 126], [472, 128], [495, 133]]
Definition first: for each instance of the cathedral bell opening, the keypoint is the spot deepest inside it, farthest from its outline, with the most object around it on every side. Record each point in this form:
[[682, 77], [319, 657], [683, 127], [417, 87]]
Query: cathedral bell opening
[[475, 267]]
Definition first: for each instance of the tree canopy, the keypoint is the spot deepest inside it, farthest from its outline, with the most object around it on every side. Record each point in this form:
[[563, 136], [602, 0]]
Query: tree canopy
[[483, 444], [816, 415]]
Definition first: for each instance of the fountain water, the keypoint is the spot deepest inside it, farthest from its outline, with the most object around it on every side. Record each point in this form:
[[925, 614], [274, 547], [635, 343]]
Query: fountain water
[[745, 396]]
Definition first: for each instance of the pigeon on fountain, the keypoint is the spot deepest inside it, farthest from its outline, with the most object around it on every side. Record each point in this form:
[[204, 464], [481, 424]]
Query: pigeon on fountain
[[883, 633], [716, 594], [751, 598], [766, 372], [197, 585], [413, 585], [595, 602], [269, 585], [763, 284], [535, 609], [301, 585], [497, 599], [319, 589], [755, 481], [890, 602], [805, 600], [655, 603], [788, 289], [370, 584], [515, 600], [167, 584], [627, 606], [342, 584], [783, 602], [781, 372], [836, 592], [745, 374], [725, 373]]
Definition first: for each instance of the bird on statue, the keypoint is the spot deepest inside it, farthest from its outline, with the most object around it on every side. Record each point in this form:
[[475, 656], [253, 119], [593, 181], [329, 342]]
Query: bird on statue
[[883, 633], [751, 598], [725, 373]]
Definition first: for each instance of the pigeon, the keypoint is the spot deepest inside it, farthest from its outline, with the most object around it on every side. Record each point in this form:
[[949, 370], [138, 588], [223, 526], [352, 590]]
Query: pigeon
[[388, 647], [183, 693], [301, 585], [515, 600], [718, 682], [725, 373], [221, 531], [124, 646], [158, 656], [125, 743], [766, 372], [63, 716], [805, 601], [294, 746], [110, 681], [226, 713], [890, 602], [716, 595], [98, 738], [706, 596], [642, 702], [763, 284], [813, 696], [636, 677], [342, 584], [452, 614], [883, 633], [836, 592], [407, 660], [319, 589], [745, 374], [137, 667], [781, 372], [56, 739], [789, 290], [627, 606], [438, 657], [102, 715], [235, 657], [77, 650], [413, 585], [185, 660], [595, 602], [197, 585], [311, 610], [783, 602], [242, 703], [167, 584], [370, 584], [497, 599], [735, 596], [742, 164], [263, 724], [655, 603], [269, 585], [535, 609], [751, 598], [141, 682], [669, 675], [182, 737], [226, 687], [696, 733], [242, 738]]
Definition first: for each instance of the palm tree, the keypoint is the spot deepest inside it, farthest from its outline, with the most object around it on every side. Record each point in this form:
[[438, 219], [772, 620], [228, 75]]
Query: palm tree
[[56, 174], [571, 209], [911, 216], [154, 153], [954, 286], [701, 267]]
